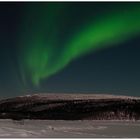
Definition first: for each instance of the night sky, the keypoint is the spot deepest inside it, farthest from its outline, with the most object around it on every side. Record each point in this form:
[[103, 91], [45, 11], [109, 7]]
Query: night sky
[[69, 47]]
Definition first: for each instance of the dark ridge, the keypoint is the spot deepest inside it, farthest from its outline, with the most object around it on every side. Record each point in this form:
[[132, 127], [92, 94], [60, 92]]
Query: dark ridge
[[71, 107]]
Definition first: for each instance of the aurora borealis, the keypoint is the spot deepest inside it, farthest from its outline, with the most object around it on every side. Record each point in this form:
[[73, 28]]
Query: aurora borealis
[[43, 56], [49, 38]]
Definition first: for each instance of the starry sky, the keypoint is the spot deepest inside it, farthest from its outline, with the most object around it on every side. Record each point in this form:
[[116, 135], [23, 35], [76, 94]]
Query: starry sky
[[69, 47]]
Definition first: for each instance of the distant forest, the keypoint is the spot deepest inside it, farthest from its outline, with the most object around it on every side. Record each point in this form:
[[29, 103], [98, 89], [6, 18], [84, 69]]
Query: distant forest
[[83, 109]]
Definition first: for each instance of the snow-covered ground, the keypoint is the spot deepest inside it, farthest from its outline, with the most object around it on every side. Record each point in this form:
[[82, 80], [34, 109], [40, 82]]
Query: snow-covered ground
[[69, 129]]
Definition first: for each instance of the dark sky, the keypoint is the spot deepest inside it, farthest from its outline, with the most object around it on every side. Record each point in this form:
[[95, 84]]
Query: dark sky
[[114, 70]]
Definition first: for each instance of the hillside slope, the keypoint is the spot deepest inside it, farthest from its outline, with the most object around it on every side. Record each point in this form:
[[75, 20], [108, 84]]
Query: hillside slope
[[70, 107]]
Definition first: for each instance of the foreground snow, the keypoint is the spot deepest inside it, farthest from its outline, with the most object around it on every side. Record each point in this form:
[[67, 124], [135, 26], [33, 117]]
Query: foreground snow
[[69, 129]]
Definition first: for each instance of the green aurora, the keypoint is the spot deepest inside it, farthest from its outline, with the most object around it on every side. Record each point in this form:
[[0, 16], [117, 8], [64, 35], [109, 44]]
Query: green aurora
[[42, 51]]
